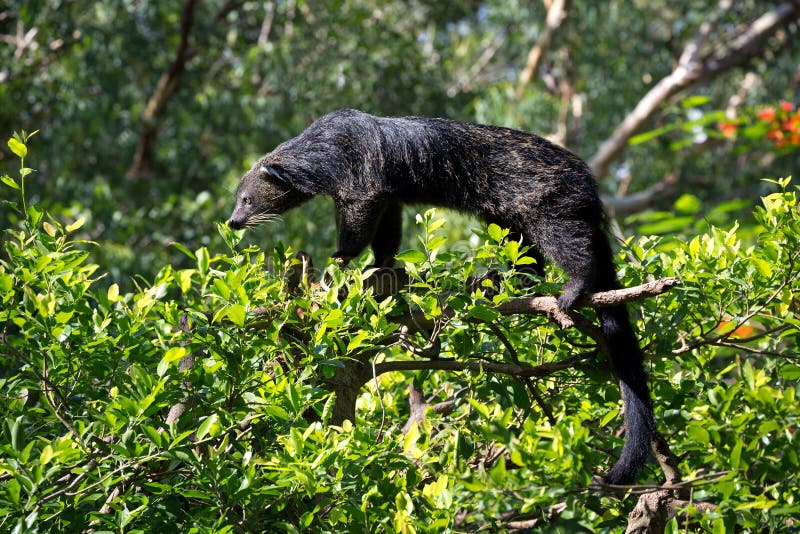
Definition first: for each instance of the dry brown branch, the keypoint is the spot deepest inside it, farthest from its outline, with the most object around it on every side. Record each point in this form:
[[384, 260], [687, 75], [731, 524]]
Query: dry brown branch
[[691, 70], [157, 103], [556, 13]]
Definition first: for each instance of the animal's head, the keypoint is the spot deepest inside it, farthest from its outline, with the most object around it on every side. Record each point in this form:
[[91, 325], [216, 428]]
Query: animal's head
[[264, 192]]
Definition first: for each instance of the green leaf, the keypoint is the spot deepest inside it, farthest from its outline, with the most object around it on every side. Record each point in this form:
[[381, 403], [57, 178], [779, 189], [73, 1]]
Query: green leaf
[[35, 215], [237, 314], [652, 134], [202, 260], [666, 226], [222, 288], [185, 278], [687, 203], [695, 101], [790, 372], [46, 455], [17, 148], [435, 225], [736, 454], [356, 340], [436, 242], [6, 282], [153, 434], [9, 181], [495, 232], [184, 250], [64, 316], [436, 492], [16, 431], [610, 416], [484, 313], [698, 434], [412, 256], [173, 354], [113, 293], [411, 438], [209, 426], [498, 472]]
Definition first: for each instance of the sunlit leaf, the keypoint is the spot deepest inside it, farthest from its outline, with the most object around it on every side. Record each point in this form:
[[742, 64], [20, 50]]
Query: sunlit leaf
[[75, 225], [9, 181], [17, 148]]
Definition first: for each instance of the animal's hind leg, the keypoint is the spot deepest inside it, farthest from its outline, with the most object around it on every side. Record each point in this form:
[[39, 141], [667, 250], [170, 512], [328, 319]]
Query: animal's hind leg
[[576, 247]]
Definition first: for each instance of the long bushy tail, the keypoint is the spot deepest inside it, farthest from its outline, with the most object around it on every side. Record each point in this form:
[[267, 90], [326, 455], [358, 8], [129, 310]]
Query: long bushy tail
[[626, 359]]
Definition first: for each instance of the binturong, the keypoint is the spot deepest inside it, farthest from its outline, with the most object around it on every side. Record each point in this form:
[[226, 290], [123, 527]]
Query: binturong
[[371, 166]]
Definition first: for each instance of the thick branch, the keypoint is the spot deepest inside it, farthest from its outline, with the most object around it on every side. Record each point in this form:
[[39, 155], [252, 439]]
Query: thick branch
[[548, 305], [689, 72], [512, 369], [157, 104], [416, 404], [556, 14]]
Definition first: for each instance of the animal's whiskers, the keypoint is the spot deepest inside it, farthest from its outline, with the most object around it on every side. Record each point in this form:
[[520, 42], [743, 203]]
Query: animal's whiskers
[[260, 218], [263, 216]]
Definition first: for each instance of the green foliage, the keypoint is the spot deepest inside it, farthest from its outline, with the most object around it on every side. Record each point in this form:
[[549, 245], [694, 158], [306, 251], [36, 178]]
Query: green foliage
[[89, 374]]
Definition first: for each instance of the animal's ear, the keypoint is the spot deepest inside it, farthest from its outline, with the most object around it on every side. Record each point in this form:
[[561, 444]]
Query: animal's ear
[[276, 173]]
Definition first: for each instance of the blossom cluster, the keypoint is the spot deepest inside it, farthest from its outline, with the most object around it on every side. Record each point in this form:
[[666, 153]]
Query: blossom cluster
[[782, 122]]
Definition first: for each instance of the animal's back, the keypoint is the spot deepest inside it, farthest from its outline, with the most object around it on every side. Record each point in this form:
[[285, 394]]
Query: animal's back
[[490, 170]]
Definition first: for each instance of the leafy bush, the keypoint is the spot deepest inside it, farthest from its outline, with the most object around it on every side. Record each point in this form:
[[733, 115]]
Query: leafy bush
[[92, 379]]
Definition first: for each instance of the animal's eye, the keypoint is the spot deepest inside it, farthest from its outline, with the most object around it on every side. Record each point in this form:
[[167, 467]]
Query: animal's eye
[[246, 201]]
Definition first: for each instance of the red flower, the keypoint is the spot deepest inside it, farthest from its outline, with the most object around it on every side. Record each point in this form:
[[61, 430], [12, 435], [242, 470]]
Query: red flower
[[728, 129], [766, 114], [775, 135], [786, 105]]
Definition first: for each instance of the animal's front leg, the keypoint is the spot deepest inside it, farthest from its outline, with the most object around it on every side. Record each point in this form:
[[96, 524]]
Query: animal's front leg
[[388, 235], [357, 222]]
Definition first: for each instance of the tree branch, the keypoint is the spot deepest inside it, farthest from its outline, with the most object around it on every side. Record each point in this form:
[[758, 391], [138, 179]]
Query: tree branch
[[620, 206], [157, 104], [548, 305], [556, 14], [688, 72], [512, 369], [416, 404]]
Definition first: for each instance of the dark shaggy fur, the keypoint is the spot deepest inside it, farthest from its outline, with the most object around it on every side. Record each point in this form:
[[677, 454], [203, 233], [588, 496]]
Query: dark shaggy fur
[[546, 195]]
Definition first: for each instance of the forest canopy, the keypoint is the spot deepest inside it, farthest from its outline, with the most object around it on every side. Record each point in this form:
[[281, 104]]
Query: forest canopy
[[161, 371]]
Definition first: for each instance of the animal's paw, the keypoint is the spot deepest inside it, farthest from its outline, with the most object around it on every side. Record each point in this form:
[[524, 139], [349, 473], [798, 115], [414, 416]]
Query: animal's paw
[[341, 258], [566, 301], [572, 291]]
